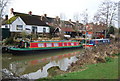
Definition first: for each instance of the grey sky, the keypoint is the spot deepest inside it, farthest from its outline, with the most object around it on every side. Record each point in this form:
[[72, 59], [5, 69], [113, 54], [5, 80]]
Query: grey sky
[[55, 7]]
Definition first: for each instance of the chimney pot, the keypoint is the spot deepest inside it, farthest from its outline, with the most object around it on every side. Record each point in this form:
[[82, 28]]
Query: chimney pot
[[77, 21], [57, 17], [70, 20], [11, 10], [6, 17], [45, 15], [30, 12]]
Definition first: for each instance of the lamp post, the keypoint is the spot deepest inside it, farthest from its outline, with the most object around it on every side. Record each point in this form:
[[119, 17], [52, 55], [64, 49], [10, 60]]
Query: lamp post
[[85, 35]]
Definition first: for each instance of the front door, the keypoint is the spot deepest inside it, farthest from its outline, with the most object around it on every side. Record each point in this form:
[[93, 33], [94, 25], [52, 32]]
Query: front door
[[34, 30]]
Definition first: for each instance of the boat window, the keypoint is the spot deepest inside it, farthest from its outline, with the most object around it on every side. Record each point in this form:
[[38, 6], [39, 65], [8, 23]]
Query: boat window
[[49, 44], [40, 45], [55, 44], [103, 41], [72, 44], [63, 44], [67, 44], [100, 40], [77, 43]]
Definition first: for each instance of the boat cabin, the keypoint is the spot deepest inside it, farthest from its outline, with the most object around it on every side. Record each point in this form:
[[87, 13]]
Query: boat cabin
[[91, 43], [99, 41], [23, 44], [42, 44]]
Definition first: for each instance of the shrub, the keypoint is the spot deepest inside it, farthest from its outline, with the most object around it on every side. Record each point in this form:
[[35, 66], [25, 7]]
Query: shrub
[[108, 59], [9, 41], [116, 54]]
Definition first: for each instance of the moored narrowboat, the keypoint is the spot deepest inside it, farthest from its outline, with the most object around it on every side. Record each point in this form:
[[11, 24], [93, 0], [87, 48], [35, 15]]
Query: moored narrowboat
[[92, 42], [43, 45]]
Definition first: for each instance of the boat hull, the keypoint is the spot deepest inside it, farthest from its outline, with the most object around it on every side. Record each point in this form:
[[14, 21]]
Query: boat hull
[[21, 51]]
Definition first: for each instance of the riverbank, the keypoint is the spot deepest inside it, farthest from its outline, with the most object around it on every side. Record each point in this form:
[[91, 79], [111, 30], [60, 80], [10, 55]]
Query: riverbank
[[96, 57], [98, 54], [108, 70]]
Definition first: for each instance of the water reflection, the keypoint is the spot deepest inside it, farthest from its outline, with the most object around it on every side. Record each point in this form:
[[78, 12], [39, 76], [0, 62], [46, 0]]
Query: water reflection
[[62, 64], [36, 66]]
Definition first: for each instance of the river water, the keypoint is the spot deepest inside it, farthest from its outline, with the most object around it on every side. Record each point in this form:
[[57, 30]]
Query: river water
[[35, 66]]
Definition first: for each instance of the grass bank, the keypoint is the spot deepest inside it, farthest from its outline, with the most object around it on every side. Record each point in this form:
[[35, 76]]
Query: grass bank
[[107, 70]]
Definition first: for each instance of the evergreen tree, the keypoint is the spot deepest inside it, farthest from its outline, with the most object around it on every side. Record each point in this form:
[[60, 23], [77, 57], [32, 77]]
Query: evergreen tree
[[111, 30]]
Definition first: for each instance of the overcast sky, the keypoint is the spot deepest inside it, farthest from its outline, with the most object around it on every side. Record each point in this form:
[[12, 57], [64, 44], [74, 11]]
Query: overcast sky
[[54, 8]]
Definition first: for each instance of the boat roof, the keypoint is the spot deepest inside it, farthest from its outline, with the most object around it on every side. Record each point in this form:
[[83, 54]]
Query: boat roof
[[55, 41], [100, 39]]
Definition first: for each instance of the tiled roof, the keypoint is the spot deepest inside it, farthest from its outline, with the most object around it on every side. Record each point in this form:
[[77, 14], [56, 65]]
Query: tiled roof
[[68, 29], [33, 20], [28, 19], [98, 28], [68, 23], [47, 19]]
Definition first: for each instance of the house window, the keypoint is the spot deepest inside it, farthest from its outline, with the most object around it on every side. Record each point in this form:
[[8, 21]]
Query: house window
[[19, 27], [34, 29], [44, 30], [6, 26]]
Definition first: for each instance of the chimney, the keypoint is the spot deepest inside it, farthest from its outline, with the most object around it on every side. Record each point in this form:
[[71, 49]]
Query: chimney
[[11, 10], [45, 15], [6, 17], [70, 20], [57, 17], [30, 12], [77, 21]]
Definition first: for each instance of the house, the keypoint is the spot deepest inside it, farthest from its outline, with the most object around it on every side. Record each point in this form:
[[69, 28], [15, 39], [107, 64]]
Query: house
[[95, 30], [66, 27], [32, 24], [63, 27]]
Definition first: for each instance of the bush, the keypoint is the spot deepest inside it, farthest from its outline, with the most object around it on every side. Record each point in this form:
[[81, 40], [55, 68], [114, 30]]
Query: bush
[[116, 54], [9, 41], [108, 59]]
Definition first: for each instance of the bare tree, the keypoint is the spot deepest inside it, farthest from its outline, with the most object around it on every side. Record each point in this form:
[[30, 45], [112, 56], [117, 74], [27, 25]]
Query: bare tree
[[3, 6], [62, 19], [62, 16], [76, 17], [84, 17], [107, 13]]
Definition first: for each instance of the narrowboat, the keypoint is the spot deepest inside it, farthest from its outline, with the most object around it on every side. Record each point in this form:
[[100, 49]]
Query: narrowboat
[[92, 42], [42, 46], [99, 41]]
